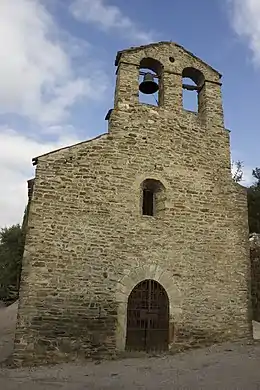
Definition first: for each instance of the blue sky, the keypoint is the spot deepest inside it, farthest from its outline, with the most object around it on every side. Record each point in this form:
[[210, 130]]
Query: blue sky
[[57, 72]]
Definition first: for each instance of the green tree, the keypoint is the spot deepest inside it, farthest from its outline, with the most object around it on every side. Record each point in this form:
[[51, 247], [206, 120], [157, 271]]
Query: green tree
[[256, 175], [253, 196], [237, 168], [11, 252]]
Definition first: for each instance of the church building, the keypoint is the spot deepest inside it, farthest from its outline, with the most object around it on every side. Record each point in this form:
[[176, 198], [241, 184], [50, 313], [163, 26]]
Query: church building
[[137, 240]]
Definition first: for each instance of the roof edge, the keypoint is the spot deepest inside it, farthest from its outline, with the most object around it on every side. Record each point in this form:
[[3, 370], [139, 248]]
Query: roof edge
[[35, 159], [133, 48]]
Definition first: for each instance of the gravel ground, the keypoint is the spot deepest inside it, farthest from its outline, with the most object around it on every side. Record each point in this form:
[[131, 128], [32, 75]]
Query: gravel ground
[[224, 367]]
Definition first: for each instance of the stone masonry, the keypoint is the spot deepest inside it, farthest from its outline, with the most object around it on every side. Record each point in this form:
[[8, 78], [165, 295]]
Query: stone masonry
[[255, 275], [88, 243]]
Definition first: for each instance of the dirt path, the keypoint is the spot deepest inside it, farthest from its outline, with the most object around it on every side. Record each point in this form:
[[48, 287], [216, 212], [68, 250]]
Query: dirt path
[[227, 367], [7, 328]]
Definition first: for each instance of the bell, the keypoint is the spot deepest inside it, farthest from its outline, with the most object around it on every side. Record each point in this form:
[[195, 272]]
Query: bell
[[148, 85]]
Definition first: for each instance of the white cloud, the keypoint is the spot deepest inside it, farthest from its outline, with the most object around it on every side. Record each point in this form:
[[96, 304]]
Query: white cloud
[[110, 17], [16, 153], [245, 18], [247, 178], [37, 77], [39, 81]]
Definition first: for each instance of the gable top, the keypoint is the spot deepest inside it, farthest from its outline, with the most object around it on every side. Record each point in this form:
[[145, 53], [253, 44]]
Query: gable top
[[168, 43], [69, 147]]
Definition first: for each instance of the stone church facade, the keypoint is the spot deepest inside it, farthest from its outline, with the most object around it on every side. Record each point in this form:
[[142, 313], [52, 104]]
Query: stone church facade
[[138, 239]]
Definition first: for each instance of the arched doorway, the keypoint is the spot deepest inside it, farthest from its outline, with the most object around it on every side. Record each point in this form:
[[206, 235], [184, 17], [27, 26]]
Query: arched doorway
[[147, 317]]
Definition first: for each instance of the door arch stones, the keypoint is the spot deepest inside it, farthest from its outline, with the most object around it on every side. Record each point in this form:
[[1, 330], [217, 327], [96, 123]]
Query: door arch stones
[[131, 279], [147, 317]]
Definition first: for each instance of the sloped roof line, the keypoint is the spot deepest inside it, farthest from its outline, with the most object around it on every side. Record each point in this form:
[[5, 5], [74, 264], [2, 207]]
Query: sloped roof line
[[135, 48], [34, 159]]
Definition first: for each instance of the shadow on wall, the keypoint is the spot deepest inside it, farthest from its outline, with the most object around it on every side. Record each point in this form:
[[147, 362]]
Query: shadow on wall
[[8, 315], [255, 274]]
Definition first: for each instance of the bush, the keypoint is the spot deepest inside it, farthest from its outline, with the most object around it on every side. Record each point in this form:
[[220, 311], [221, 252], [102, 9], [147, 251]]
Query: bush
[[11, 253]]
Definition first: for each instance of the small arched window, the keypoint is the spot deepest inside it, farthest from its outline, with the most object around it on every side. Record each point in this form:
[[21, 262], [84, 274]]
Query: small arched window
[[192, 83], [154, 68], [153, 197]]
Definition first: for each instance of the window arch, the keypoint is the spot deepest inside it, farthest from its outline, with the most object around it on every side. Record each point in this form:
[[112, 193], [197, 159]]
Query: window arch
[[153, 197], [154, 67], [192, 83]]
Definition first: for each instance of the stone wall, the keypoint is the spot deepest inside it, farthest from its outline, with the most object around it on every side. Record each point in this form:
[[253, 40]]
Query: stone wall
[[255, 274], [88, 243]]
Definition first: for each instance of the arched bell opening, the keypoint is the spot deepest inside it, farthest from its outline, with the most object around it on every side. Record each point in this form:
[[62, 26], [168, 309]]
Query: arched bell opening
[[192, 84], [147, 317], [150, 82]]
